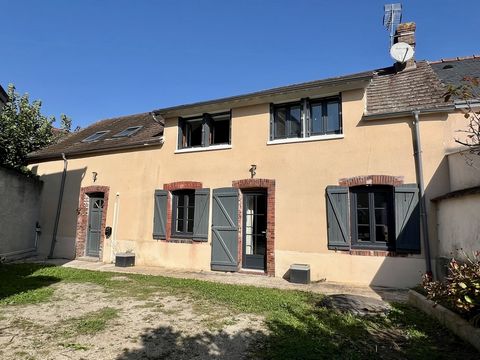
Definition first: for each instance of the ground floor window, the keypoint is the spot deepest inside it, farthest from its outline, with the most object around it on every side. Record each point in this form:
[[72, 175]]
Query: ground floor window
[[183, 213], [372, 217]]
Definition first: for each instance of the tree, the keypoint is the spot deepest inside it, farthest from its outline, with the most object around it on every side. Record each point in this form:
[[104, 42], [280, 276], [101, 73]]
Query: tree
[[469, 93], [23, 129]]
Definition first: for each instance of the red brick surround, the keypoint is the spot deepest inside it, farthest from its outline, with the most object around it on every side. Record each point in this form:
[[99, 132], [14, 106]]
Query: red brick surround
[[269, 185], [178, 185], [371, 180], [82, 218], [380, 253]]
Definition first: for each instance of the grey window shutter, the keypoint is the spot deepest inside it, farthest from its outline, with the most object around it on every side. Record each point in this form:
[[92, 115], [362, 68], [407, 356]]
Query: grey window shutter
[[160, 215], [225, 229], [407, 218], [200, 217], [181, 127], [338, 217], [307, 116], [207, 124], [272, 125]]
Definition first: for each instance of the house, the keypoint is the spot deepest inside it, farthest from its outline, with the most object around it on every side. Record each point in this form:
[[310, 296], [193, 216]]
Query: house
[[3, 97], [330, 173]]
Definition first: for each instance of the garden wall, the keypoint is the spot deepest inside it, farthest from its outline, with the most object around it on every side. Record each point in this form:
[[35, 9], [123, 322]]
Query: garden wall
[[19, 213]]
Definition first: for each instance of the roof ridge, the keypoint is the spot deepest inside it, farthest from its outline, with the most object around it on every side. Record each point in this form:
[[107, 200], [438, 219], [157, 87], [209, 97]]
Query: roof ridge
[[458, 58]]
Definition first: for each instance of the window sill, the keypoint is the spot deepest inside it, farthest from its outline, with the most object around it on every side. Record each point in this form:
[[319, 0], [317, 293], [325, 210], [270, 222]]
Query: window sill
[[180, 241], [206, 148], [306, 139]]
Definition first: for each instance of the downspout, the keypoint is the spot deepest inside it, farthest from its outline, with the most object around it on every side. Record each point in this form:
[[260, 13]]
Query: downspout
[[423, 205], [59, 207], [113, 244]]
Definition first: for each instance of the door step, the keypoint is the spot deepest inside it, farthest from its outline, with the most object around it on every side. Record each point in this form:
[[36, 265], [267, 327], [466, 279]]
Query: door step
[[89, 258]]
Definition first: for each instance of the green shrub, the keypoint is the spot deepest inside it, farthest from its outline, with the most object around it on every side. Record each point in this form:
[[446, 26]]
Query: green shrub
[[460, 291]]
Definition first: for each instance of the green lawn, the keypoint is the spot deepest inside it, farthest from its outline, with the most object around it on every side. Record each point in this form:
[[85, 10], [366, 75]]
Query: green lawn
[[298, 326]]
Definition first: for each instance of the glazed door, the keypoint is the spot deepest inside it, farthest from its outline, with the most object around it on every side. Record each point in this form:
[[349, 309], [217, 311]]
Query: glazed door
[[94, 226], [254, 230]]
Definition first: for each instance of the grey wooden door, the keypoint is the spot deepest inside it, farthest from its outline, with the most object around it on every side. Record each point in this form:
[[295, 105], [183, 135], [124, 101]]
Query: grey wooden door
[[254, 230], [225, 229], [94, 226]]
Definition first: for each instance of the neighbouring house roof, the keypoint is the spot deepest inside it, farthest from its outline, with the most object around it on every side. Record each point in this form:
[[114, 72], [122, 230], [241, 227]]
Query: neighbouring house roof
[[73, 144], [389, 93], [454, 71], [392, 92], [3, 95]]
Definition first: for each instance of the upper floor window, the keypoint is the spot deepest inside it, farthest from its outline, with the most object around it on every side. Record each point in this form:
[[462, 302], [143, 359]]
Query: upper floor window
[[204, 130], [305, 118]]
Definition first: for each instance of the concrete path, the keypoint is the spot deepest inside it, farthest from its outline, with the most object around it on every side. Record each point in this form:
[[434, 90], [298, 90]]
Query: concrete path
[[327, 288]]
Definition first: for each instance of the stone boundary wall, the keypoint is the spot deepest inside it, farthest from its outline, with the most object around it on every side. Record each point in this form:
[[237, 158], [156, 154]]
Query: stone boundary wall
[[19, 213]]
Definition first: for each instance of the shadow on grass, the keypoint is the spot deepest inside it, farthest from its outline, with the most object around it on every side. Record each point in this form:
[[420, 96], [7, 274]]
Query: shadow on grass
[[20, 285], [319, 333]]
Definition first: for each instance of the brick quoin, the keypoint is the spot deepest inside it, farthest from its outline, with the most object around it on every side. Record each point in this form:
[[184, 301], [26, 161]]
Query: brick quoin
[[178, 185], [371, 180], [82, 218], [269, 185]]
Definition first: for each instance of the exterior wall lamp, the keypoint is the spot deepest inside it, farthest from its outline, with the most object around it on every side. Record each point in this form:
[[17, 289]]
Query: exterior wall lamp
[[253, 170]]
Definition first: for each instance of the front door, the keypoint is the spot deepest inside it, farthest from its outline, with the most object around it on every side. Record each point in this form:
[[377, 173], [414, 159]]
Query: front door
[[254, 230], [94, 226]]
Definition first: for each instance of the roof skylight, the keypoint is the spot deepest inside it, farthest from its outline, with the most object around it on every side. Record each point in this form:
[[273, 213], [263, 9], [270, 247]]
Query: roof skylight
[[128, 131], [95, 137]]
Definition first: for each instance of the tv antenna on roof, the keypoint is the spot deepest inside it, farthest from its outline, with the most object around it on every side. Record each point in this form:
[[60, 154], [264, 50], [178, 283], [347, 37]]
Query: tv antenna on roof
[[391, 18]]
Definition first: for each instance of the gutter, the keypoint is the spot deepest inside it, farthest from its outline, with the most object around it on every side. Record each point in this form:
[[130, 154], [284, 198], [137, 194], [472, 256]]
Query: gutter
[[56, 156], [59, 207], [408, 113], [423, 208]]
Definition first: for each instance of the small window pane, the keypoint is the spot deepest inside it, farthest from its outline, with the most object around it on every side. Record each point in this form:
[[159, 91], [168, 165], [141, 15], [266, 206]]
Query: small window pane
[[190, 226], [220, 129], [363, 216], [179, 225], [333, 117], [364, 232], [280, 119], [295, 121], [194, 132], [380, 200], [317, 119], [381, 217], [362, 200], [381, 233]]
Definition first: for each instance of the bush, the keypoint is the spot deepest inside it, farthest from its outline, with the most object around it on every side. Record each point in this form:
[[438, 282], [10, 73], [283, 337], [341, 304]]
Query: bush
[[460, 291]]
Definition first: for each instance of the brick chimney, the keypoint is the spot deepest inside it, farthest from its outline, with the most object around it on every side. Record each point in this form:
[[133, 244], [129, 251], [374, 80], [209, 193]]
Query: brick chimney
[[406, 33]]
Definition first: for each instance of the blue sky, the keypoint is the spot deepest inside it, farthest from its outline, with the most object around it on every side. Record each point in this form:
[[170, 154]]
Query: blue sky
[[94, 59]]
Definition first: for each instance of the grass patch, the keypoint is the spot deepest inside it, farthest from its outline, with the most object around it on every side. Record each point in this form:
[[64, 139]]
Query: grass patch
[[75, 346], [298, 326], [93, 322]]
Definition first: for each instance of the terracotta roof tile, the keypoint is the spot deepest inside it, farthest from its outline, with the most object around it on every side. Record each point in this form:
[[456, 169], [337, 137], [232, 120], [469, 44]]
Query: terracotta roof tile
[[408, 90]]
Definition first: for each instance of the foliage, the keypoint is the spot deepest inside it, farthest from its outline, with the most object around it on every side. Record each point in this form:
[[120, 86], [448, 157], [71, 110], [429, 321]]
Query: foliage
[[23, 129], [468, 92], [298, 325], [460, 291]]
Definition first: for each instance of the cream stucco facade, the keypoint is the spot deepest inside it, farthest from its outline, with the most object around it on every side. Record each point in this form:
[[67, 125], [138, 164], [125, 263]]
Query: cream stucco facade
[[301, 170]]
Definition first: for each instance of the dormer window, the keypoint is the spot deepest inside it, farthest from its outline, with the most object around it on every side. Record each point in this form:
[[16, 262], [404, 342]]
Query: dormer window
[[127, 132], [95, 137], [203, 131], [306, 118]]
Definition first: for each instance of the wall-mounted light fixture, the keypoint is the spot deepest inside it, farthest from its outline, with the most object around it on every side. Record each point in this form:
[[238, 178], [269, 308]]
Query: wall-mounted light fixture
[[94, 176], [253, 170]]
